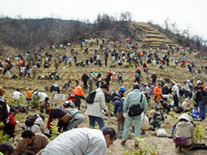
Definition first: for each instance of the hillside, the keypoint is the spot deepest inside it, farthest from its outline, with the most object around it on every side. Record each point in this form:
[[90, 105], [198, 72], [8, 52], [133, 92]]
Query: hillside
[[177, 74], [21, 35]]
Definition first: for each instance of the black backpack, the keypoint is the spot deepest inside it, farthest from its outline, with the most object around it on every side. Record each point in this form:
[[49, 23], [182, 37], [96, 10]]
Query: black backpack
[[107, 97], [30, 120], [90, 97], [135, 109]]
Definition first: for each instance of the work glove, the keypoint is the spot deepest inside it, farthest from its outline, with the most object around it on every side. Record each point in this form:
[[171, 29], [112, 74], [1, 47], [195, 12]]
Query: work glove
[[17, 122]]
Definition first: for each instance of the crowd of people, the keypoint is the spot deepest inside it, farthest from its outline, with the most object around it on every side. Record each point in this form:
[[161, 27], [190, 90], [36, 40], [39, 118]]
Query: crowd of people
[[150, 100]]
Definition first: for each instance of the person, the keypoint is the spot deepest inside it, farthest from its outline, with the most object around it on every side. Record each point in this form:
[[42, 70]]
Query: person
[[85, 79], [44, 105], [99, 83], [3, 106], [6, 148], [16, 94], [31, 143], [9, 125], [184, 129], [54, 89], [119, 93], [78, 94], [90, 83], [157, 95], [151, 92], [198, 100], [120, 77], [29, 95], [77, 117], [134, 97], [82, 141], [137, 76], [154, 77], [67, 85], [175, 93], [94, 110], [165, 89], [61, 114], [155, 119], [34, 71], [118, 107], [42, 96], [38, 126]]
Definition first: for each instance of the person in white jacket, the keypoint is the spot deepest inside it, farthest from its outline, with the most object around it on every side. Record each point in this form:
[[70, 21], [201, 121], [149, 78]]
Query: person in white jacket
[[38, 126], [94, 110], [42, 96], [82, 141], [175, 93], [16, 94]]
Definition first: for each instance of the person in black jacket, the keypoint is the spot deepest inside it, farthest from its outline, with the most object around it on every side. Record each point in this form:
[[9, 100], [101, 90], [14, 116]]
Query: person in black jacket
[[3, 107], [56, 113], [85, 79], [165, 90], [200, 93], [154, 77], [54, 89]]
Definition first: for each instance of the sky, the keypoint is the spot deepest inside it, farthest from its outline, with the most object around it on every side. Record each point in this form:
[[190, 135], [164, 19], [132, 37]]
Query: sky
[[187, 14]]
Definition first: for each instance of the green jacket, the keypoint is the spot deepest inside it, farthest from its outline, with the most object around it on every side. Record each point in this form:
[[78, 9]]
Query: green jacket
[[134, 98]]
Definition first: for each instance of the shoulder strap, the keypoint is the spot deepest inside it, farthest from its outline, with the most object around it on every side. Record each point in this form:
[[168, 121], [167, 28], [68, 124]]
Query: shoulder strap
[[141, 98]]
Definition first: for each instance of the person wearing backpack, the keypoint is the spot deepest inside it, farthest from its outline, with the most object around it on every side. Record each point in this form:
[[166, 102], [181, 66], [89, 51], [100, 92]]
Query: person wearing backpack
[[120, 76], [9, 125], [201, 98], [134, 98], [118, 107], [35, 123], [94, 110]]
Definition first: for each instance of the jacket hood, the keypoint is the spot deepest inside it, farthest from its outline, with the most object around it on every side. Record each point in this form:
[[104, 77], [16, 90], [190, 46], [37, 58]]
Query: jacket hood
[[183, 124]]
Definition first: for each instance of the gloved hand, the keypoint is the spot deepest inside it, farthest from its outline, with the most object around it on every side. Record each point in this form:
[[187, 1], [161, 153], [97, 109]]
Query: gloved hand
[[106, 108], [103, 111], [17, 122]]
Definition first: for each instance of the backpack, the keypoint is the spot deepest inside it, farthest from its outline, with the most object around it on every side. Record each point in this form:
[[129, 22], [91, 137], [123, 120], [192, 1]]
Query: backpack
[[204, 98], [30, 120], [90, 97], [136, 75], [115, 93], [180, 140], [135, 109], [107, 97]]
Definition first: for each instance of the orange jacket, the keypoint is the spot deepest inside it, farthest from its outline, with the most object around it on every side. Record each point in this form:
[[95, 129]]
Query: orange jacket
[[204, 86], [29, 93], [78, 91], [157, 91]]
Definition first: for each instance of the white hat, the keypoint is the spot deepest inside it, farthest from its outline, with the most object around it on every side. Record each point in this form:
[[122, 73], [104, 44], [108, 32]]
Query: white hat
[[184, 116], [199, 82], [152, 112], [99, 79], [153, 72]]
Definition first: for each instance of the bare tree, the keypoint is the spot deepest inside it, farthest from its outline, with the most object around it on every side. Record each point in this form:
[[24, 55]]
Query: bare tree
[[166, 24]]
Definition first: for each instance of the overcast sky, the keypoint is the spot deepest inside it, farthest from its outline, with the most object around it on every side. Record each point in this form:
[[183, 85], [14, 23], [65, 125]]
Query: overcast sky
[[187, 14]]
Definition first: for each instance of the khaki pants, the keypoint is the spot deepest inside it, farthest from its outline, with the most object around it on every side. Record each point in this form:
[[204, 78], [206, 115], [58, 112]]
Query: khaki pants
[[53, 101], [120, 121]]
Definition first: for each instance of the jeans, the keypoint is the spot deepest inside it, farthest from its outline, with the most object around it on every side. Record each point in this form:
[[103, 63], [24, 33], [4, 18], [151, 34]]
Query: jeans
[[156, 105], [99, 120], [77, 119], [120, 79], [173, 129], [202, 108], [128, 124]]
